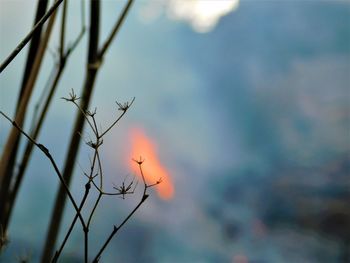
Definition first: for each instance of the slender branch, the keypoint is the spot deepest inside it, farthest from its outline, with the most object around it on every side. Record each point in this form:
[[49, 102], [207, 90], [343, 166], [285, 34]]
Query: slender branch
[[86, 118], [93, 166], [49, 156], [94, 208], [76, 42], [100, 168], [87, 188], [86, 245], [59, 251], [43, 96], [95, 125], [101, 181], [115, 28], [56, 74], [82, 31], [21, 110], [22, 44], [94, 62], [63, 29], [74, 142], [34, 130], [34, 44], [116, 229], [124, 109], [11, 147]]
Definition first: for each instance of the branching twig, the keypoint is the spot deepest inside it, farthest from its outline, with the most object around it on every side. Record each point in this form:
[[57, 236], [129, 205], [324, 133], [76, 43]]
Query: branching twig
[[96, 160], [122, 107], [58, 252], [95, 58], [117, 228]]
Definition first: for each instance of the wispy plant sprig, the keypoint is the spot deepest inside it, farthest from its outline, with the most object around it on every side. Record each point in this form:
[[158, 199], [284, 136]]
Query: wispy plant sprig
[[73, 97], [94, 62], [96, 170], [116, 228]]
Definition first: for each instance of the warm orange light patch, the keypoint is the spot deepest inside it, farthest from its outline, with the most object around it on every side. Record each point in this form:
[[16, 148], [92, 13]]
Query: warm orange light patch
[[151, 167]]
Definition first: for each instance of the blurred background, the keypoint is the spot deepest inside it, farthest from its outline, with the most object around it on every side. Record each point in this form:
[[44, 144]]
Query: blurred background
[[247, 107]]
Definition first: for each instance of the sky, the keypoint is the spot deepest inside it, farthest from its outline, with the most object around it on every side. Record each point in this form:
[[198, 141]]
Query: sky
[[246, 105]]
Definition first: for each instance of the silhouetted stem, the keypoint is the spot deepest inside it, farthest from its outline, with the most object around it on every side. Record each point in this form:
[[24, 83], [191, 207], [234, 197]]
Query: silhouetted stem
[[94, 208], [34, 44], [86, 245], [92, 67], [5, 210], [10, 148], [37, 124], [27, 153], [94, 62], [49, 156], [116, 229], [59, 251], [116, 121], [115, 28], [63, 29], [22, 44]]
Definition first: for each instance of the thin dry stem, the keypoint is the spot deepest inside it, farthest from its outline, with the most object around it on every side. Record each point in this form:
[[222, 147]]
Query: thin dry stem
[[22, 44], [117, 228], [49, 156]]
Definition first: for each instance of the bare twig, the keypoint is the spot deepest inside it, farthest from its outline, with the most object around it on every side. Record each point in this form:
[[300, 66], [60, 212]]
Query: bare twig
[[33, 50], [59, 251], [123, 108], [94, 62], [87, 189], [96, 160], [29, 36], [49, 156], [10, 149], [115, 29], [117, 228], [63, 30], [37, 123]]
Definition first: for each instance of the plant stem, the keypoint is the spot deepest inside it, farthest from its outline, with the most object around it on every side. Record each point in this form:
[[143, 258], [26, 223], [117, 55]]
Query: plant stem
[[94, 62], [33, 50], [10, 149], [115, 28], [116, 229], [92, 67], [58, 72], [53, 163], [59, 251], [63, 29], [94, 208], [86, 245], [22, 44]]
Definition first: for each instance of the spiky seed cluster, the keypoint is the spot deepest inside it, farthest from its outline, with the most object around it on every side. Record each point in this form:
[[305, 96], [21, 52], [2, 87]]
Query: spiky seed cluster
[[72, 97]]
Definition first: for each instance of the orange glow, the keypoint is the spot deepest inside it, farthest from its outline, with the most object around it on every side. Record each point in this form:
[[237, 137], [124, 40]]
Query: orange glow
[[151, 167]]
